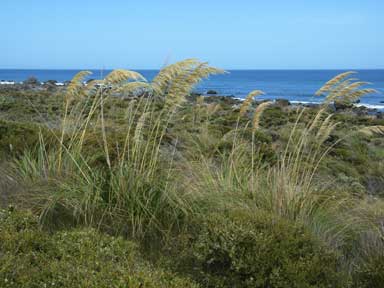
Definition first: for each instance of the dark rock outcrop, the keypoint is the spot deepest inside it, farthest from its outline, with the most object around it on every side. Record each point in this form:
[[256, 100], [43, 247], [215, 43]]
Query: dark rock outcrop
[[342, 105], [282, 102]]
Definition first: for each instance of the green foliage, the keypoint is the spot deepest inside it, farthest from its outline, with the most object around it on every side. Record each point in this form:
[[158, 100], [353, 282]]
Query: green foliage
[[371, 272], [369, 267], [274, 116], [75, 258], [6, 102], [356, 158], [16, 137], [27, 106], [243, 249]]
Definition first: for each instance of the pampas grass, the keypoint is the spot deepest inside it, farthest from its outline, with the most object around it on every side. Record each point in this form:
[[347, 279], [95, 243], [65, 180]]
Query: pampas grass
[[76, 84], [120, 75], [135, 191], [258, 113], [174, 82], [335, 81], [289, 188], [344, 89], [248, 101], [373, 130]]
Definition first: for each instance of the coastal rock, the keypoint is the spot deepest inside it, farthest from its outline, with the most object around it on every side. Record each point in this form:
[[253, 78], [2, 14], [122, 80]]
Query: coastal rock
[[32, 81], [374, 185], [236, 107], [212, 92], [282, 102], [195, 94], [342, 105], [361, 110], [330, 108]]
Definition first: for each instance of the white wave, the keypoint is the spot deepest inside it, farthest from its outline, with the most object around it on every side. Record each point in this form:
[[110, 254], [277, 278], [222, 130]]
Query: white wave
[[370, 106], [304, 102]]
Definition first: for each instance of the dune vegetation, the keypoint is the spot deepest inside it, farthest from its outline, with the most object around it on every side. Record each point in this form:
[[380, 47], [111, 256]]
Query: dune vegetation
[[128, 183]]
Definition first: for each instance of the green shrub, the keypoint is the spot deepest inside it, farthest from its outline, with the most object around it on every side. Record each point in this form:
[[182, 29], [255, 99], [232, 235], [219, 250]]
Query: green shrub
[[274, 116], [369, 267], [371, 273], [78, 258], [256, 250], [16, 137], [6, 103]]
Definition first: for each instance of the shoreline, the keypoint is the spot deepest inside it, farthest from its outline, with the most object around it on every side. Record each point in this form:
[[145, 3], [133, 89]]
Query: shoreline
[[377, 107], [370, 107]]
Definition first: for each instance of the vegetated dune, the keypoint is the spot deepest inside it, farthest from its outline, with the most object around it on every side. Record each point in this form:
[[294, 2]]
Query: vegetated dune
[[214, 192]]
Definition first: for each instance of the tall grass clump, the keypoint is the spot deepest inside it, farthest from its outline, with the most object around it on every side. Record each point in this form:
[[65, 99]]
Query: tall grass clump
[[289, 188], [127, 188]]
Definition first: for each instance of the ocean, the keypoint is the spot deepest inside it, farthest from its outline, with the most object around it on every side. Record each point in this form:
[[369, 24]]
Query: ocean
[[294, 85]]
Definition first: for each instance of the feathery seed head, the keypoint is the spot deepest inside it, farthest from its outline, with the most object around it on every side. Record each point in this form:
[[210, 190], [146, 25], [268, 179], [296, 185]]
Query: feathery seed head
[[76, 84], [120, 75], [334, 81], [248, 101], [344, 89], [258, 113], [373, 130]]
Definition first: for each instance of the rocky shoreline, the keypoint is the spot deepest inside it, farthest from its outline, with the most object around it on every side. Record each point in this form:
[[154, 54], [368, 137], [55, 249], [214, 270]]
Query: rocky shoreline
[[359, 110], [210, 95]]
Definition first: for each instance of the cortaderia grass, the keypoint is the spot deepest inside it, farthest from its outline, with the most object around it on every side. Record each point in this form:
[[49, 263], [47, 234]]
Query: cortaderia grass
[[127, 188]]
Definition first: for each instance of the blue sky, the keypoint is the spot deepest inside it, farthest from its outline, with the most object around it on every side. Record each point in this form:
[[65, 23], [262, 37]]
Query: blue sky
[[242, 34]]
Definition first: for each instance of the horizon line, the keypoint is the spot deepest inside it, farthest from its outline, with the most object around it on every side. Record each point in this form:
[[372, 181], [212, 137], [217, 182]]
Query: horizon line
[[227, 69]]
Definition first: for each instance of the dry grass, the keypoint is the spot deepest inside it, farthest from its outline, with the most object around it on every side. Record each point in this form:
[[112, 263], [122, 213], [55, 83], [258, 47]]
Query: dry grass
[[344, 89], [258, 113], [248, 101], [372, 130]]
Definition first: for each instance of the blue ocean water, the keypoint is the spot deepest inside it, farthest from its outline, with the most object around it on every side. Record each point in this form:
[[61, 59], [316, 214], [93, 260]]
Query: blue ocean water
[[294, 85]]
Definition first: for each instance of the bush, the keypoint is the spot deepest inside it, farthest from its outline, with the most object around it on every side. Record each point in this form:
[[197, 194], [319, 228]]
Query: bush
[[273, 117], [78, 258], [259, 250], [371, 273], [369, 267], [16, 137]]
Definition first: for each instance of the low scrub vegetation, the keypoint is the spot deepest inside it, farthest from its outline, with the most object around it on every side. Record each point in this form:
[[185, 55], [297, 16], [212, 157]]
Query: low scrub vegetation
[[256, 249], [72, 258]]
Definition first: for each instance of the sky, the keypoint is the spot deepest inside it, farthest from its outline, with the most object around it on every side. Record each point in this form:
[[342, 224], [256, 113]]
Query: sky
[[241, 34]]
